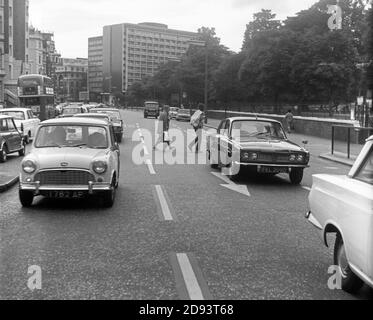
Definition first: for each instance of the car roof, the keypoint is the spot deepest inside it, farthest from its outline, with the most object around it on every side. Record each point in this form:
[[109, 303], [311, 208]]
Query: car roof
[[91, 115], [105, 109], [5, 117], [15, 109], [370, 138], [77, 120], [251, 119]]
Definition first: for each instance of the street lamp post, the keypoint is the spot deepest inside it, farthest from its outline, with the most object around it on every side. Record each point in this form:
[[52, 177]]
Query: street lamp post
[[204, 44]]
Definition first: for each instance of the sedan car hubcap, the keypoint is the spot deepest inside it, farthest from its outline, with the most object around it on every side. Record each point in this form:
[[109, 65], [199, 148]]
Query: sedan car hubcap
[[342, 261]]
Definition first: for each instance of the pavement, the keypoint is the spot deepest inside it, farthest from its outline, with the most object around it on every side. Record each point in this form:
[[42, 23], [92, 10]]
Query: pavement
[[176, 231]]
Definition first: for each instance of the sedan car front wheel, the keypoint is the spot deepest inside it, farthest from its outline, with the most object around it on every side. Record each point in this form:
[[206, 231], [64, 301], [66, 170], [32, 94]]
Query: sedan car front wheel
[[3, 155], [296, 175], [351, 283]]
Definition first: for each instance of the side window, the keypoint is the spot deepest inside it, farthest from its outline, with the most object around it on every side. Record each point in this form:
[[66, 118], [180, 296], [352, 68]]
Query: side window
[[365, 174], [3, 125], [112, 136], [11, 126]]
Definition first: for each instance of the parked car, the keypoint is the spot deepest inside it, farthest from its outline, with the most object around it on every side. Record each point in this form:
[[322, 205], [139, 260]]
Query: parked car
[[183, 115], [11, 140], [71, 158], [26, 122], [173, 112], [258, 144], [71, 110], [343, 205], [116, 119]]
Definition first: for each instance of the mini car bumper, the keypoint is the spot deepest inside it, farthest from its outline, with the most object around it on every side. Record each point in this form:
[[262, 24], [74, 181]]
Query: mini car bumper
[[91, 188]]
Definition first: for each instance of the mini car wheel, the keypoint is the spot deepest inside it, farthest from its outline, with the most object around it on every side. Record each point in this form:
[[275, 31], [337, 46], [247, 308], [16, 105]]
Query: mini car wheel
[[212, 164], [296, 175], [4, 155], [22, 152], [351, 283], [109, 197], [26, 198]]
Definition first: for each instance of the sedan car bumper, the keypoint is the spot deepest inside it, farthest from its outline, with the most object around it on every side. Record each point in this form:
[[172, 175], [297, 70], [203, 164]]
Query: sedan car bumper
[[311, 218], [273, 165]]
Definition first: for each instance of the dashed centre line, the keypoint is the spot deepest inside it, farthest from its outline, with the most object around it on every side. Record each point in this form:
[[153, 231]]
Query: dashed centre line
[[164, 207], [190, 282]]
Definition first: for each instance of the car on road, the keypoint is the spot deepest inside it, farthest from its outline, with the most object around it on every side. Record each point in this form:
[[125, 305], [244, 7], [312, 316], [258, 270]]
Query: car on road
[[151, 109], [72, 158], [116, 119], [11, 140], [173, 112], [71, 110], [183, 115], [27, 123], [257, 144], [343, 205]]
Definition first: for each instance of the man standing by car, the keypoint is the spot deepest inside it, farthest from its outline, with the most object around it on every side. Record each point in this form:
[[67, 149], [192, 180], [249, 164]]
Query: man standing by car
[[197, 122], [163, 127], [289, 118]]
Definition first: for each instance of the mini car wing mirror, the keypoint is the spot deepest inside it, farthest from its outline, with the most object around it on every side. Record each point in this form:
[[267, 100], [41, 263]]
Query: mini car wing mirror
[[305, 142]]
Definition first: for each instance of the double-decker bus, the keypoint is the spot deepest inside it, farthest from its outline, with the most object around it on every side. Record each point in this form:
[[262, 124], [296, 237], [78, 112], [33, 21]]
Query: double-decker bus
[[36, 92]]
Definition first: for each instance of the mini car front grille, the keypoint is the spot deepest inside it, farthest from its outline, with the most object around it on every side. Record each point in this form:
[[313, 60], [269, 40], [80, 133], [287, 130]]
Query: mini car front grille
[[64, 177]]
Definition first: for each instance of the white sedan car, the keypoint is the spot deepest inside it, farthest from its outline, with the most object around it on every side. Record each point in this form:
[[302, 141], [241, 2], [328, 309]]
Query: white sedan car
[[343, 205], [27, 123]]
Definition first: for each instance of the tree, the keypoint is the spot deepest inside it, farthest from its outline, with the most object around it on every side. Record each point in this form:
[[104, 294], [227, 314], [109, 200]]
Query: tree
[[264, 21]]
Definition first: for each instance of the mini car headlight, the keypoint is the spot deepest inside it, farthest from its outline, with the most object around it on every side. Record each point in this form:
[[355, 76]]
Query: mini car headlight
[[293, 157], [300, 158], [29, 166], [99, 167]]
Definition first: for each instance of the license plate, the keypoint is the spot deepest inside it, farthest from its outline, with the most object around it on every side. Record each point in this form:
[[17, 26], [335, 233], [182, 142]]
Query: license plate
[[272, 170], [66, 194]]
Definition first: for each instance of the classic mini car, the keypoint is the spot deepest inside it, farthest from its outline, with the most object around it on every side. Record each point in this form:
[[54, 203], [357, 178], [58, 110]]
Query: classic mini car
[[71, 158], [27, 123], [183, 115], [343, 205], [116, 119], [258, 144], [11, 140]]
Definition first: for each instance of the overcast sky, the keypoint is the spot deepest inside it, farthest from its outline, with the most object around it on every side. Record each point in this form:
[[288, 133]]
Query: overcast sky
[[74, 21]]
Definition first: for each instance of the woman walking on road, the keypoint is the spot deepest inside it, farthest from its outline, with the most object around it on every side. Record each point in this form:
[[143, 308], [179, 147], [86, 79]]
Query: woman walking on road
[[197, 121]]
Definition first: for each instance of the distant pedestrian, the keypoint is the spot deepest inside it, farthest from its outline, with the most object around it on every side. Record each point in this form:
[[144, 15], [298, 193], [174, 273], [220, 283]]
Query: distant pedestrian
[[197, 122], [289, 119], [163, 128]]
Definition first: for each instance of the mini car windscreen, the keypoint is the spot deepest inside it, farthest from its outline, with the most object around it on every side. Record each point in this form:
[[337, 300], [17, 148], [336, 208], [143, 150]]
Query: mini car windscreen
[[247, 130], [184, 112], [366, 172], [93, 137], [17, 115]]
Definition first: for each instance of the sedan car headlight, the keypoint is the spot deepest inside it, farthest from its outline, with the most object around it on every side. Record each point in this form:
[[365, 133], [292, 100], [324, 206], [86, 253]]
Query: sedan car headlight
[[293, 157], [99, 167], [29, 166], [300, 158]]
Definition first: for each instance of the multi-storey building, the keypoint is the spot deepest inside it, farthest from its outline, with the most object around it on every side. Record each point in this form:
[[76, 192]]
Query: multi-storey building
[[133, 51], [71, 75], [95, 75], [36, 52], [2, 51], [15, 19]]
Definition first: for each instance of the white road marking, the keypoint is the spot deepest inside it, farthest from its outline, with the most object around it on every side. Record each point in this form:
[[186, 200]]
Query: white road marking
[[146, 151], [229, 184], [164, 205], [306, 188], [190, 279]]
